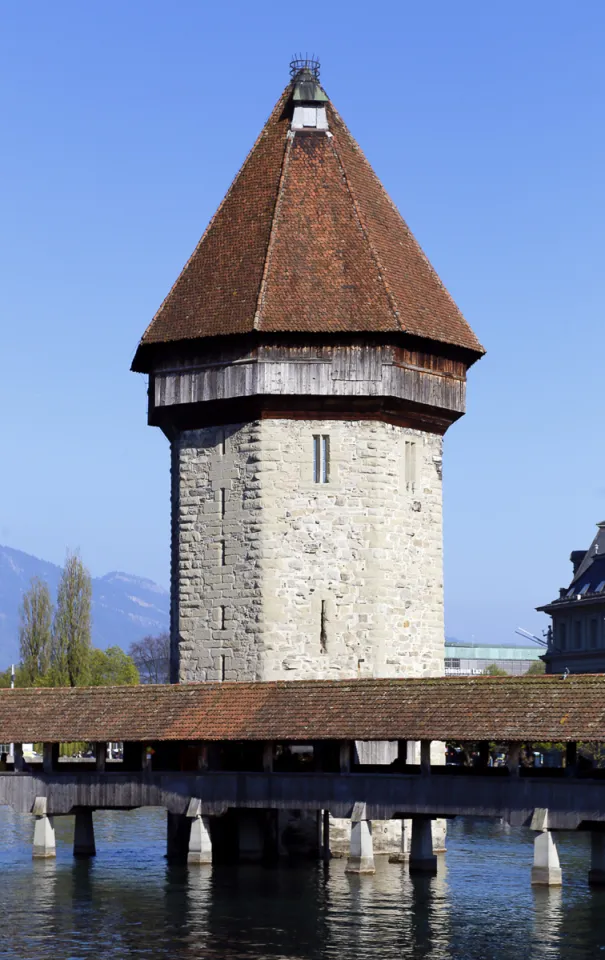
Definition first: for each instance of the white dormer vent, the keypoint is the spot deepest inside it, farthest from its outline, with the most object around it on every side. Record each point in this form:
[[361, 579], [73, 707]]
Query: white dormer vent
[[310, 118]]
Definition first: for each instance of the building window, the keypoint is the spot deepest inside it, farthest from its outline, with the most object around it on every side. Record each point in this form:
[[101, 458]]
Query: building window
[[221, 617], [594, 633], [452, 663], [561, 636], [321, 458], [411, 465], [222, 553], [222, 501], [577, 634]]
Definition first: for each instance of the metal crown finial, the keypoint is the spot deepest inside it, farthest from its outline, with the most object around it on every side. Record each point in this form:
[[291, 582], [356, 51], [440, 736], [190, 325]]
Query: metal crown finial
[[304, 64]]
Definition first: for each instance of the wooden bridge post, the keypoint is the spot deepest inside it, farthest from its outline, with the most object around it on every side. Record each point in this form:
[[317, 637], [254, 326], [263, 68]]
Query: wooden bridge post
[[50, 757], [425, 757], [512, 762], [202, 757], [178, 830], [84, 834], [596, 874], [345, 756], [422, 857], [325, 838], [571, 759], [100, 756]]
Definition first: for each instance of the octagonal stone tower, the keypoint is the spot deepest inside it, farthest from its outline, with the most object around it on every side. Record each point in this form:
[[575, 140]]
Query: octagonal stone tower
[[305, 366]]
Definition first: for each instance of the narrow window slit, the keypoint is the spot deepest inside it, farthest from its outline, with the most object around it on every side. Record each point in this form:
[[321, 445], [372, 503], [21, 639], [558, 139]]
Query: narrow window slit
[[321, 458], [222, 501], [222, 666], [323, 636], [222, 443], [411, 465], [222, 553], [222, 618]]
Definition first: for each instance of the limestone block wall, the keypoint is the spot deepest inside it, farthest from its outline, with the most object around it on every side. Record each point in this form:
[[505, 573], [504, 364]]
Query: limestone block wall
[[278, 576]]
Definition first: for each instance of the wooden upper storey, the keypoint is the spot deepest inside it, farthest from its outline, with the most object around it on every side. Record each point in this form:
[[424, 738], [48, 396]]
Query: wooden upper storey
[[354, 378]]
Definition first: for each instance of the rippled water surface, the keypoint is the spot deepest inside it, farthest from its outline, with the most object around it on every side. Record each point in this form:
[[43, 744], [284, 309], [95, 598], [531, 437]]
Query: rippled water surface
[[129, 902]]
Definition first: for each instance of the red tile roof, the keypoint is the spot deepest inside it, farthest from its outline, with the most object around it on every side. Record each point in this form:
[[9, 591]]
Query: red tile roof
[[460, 708], [306, 241]]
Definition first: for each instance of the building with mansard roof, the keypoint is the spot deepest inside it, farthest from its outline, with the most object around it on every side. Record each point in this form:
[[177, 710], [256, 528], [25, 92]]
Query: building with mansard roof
[[576, 641], [304, 367]]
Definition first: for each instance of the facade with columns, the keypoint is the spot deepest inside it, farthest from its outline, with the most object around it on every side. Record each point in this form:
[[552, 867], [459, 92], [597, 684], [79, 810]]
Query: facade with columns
[[304, 367]]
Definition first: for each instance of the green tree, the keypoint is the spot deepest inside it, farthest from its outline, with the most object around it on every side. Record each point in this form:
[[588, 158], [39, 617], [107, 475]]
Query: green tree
[[35, 632], [152, 658], [71, 628], [112, 668], [536, 668], [494, 671]]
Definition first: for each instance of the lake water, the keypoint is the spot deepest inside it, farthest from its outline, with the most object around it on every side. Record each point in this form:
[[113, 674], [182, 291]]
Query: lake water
[[129, 902]]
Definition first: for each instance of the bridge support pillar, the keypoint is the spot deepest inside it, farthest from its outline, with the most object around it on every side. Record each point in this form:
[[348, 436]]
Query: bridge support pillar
[[596, 874], [84, 835], [178, 830], [44, 838], [422, 857], [325, 836], [361, 852], [200, 844], [546, 869]]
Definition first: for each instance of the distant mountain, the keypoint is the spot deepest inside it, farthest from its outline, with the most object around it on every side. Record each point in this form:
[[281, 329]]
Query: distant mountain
[[124, 607]]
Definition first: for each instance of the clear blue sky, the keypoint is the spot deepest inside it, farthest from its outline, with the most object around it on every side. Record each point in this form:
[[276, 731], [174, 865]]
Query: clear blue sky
[[123, 125]]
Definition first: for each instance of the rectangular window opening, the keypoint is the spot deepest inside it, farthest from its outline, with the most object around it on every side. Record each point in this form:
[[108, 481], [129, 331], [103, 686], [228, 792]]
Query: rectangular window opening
[[321, 458], [561, 636], [223, 658], [222, 501], [222, 553], [411, 465], [222, 444], [577, 634], [221, 618]]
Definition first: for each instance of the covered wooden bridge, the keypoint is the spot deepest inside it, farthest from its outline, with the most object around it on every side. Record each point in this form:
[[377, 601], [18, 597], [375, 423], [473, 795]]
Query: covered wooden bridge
[[206, 751]]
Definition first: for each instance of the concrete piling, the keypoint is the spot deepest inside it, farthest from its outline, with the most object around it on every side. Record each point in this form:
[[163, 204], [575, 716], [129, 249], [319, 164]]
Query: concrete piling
[[596, 874], [361, 855], [44, 839], [422, 857], [200, 844], [84, 834], [546, 870]]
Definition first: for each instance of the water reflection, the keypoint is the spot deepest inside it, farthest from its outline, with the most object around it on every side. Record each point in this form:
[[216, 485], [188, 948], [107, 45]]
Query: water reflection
[[130, 902]]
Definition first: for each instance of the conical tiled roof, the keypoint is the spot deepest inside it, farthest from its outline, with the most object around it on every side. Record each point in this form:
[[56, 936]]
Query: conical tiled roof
[[306, 240]]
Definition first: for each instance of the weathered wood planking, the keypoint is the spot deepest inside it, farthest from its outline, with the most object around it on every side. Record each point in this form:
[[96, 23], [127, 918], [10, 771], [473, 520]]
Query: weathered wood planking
[[343, 372]]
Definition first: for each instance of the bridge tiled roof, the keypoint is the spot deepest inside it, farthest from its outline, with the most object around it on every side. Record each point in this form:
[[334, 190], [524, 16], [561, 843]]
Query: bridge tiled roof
[[456, 708], [306, 241]]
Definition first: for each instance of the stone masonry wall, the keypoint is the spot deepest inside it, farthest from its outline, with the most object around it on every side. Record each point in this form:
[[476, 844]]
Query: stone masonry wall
[[276, 576]]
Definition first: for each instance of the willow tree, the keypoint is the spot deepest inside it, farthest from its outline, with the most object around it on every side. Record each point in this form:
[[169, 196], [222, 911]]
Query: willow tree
[[71, 628], [35, 632]]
